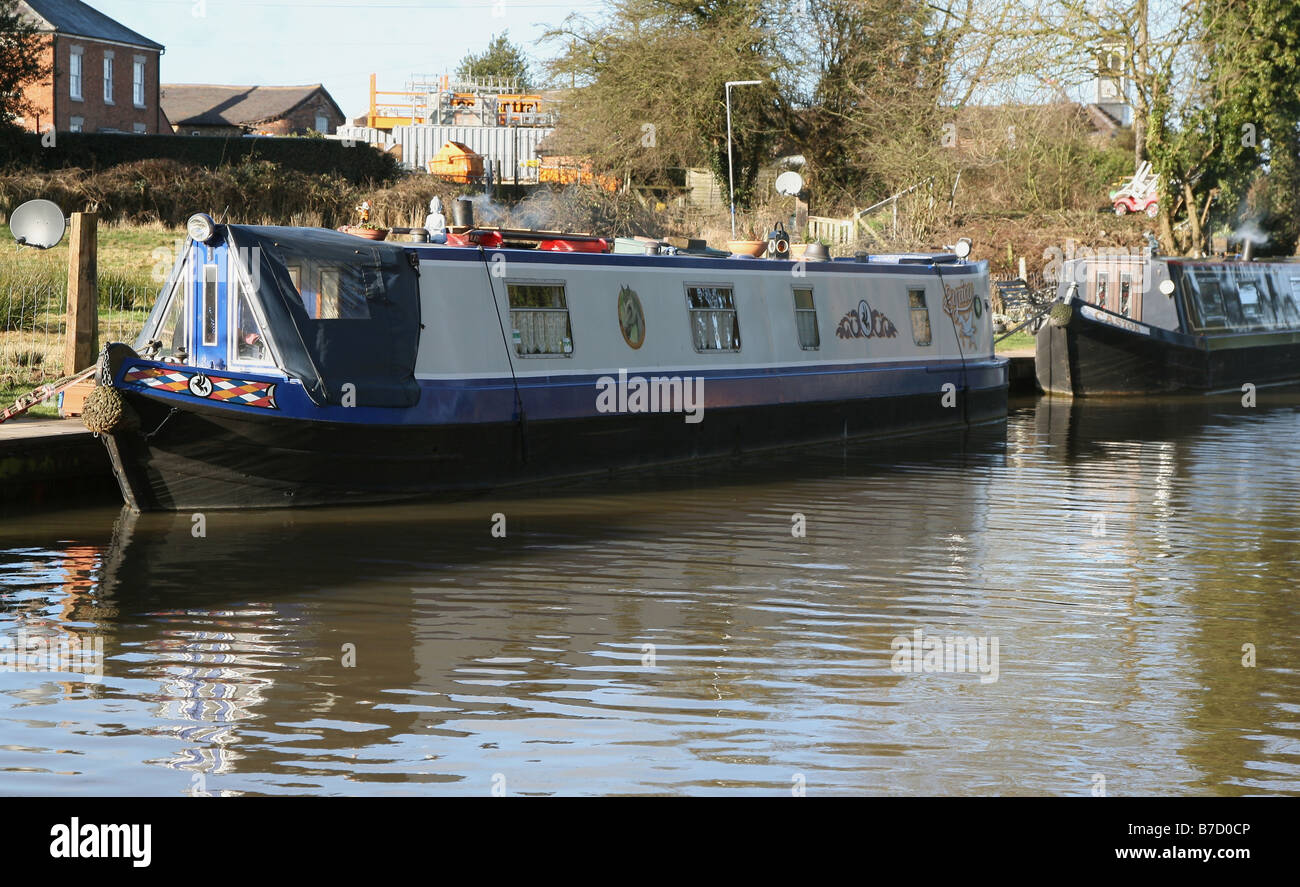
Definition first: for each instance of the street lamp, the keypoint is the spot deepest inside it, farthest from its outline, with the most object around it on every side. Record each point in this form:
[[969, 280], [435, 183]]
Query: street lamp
[[731, 177]]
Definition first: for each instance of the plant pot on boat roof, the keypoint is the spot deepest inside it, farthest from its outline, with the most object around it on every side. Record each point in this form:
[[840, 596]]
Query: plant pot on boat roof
[[751, 247], [369, 232]]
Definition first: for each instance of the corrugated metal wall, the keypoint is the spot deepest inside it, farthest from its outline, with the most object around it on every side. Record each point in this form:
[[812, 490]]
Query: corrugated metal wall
[[508, 147]]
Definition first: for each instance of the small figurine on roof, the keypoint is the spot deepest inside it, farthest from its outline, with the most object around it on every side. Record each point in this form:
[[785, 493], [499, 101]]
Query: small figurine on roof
[[366, 229]]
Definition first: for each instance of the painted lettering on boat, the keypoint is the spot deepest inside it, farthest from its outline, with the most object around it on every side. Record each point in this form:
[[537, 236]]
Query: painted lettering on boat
[[1122, 323], [962, 305]]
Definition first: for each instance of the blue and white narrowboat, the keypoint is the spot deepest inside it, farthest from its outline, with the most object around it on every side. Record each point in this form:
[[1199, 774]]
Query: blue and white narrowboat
[[290, 366]]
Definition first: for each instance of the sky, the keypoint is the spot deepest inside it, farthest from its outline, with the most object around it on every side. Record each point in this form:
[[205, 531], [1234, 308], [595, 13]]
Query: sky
[[335, 42]]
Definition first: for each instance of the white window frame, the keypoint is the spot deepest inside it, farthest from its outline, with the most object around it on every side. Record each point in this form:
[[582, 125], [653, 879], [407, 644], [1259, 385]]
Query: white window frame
[[812, 298], [76, 73], [568, 318], [181, 287], [244, 287], [691, 311], [108, 76], [202, 307], [913, 311], [139, 71], [76, 124]]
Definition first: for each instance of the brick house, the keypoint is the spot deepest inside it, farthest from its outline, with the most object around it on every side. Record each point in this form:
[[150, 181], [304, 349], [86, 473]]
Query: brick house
[[104, 76], [199, 109]]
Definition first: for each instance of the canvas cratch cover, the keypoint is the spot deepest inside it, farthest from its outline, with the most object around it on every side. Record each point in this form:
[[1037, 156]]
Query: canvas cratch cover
[[342, 310]]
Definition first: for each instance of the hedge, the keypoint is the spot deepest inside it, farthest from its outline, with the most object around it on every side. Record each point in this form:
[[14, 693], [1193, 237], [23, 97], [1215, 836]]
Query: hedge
[[359, 164]]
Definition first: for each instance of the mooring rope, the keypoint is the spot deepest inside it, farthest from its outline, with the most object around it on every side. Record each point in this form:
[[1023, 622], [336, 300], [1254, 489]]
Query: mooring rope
[[519, 401], [952, 318]]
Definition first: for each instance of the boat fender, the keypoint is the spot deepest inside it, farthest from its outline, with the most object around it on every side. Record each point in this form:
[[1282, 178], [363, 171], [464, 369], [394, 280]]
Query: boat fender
[[107, 412], [1061, 314]]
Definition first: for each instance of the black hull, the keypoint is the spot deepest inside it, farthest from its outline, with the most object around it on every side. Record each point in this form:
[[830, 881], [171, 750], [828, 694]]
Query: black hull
[[1086, 358], [209, 458]]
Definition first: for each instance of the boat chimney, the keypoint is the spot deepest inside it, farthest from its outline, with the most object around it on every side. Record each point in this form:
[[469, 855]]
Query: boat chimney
[[462, 212], [1248, 250]]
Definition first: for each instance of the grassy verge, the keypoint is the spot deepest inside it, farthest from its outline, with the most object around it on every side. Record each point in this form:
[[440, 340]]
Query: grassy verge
[[131, 255], [1017, 342]]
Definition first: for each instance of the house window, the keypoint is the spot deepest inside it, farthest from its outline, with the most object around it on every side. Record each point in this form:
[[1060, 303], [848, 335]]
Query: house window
[[714, 323], [539, 317], [920, 317], [805, 319], [137, 81], [74, 74], [76, 123], [139, 128], [108, 77], [322, 124]]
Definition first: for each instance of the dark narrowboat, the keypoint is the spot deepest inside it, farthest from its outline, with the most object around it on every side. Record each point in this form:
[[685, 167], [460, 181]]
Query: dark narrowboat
[[1142, 325]]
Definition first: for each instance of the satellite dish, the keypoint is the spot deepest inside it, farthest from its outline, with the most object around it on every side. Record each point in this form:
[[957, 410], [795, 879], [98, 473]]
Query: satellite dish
[[789, 183], [38, 223]]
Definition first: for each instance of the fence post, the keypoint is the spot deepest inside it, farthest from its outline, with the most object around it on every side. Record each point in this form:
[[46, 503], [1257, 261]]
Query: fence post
[[82, 328]]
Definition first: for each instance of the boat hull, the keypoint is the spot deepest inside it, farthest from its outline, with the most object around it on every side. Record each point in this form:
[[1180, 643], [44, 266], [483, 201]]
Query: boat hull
[[1096, 353], [202, 457]]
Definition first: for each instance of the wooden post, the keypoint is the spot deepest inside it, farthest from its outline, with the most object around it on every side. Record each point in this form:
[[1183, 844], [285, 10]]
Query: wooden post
[[800, 215], [83, 295]]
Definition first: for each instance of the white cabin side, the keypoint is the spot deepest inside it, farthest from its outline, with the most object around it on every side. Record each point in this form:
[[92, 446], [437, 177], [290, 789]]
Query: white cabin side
[[462, 336]]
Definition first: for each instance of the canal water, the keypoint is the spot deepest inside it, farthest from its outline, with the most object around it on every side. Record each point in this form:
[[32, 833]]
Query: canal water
[[1090, 598]]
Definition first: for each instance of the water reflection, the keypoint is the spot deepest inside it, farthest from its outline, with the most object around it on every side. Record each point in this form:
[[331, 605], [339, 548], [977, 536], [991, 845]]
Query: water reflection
[[676, 633]]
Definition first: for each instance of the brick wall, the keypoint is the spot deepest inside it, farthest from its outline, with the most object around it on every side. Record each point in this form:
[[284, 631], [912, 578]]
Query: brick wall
[[41, 94], [303, 118], [93, 111]]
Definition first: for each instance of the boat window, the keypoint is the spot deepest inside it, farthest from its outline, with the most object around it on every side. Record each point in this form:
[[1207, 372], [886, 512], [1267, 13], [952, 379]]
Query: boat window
[[1290, 303], [1126, 295], [1209, 303], [171, 329], [1256, 302], [714, 324], [805, 319], [1099, 293], [333, 292], [250, 345], [539, 316], [920, 317], [209, 304]]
